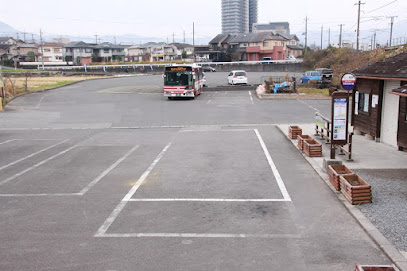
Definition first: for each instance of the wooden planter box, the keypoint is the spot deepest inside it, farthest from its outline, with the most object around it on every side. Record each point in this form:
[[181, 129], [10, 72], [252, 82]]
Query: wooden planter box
[[312, 148], [360, 267], [334, 171], [355, 189], [301, 139], [294, 131]]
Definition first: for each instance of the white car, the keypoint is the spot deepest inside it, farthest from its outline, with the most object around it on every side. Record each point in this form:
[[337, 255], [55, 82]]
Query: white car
[[237, 77]]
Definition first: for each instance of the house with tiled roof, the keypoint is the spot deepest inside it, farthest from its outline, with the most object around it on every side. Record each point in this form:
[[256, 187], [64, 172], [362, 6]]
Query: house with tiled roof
[[257, 46]]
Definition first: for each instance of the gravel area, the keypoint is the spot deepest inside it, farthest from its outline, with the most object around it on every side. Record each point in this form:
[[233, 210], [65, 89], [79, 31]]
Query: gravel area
[[388, 212]]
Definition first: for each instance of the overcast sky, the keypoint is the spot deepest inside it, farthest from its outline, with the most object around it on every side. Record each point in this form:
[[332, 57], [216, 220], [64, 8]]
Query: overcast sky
[[162, 18]]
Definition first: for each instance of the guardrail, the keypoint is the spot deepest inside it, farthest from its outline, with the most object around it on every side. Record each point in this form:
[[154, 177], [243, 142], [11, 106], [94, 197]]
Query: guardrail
[[170, 64], [323, 128]]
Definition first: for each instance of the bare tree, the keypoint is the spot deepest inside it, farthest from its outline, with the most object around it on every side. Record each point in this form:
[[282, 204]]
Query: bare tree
[[26, 75], [11, 84]]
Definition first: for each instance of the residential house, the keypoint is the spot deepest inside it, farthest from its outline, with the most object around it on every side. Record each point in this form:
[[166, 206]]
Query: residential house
[[161, 52], [380, 101], [138, 53], [24, 52], [256, 46], [109, 52], [78, 52], [220, 42], [52, 52], [184, 47], [4, 51], [204, 53], [7, 40], [17, 50], [293, 45]]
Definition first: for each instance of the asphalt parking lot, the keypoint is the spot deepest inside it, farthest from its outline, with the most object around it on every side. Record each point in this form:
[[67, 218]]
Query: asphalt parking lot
[[111, 175]]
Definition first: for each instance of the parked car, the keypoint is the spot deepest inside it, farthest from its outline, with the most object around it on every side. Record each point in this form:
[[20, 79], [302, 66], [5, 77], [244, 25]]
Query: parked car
[[291, 57], [311, 76], [326, 76], [208, 69], [204, 80], [237, 77]]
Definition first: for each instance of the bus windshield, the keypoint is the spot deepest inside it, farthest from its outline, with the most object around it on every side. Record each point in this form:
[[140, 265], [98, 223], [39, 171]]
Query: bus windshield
[[178, 79]]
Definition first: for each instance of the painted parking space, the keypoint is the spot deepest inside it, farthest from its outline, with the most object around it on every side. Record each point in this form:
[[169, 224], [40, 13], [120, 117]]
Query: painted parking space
[[86, 164], [186, 176], [15, 151]]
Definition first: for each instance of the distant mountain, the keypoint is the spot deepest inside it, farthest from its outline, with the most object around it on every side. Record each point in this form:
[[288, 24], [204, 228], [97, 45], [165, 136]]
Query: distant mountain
[[6, 30]]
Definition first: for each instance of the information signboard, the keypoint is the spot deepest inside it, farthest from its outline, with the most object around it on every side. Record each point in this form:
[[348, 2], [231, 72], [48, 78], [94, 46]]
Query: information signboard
[[340, 106], [339, 119]]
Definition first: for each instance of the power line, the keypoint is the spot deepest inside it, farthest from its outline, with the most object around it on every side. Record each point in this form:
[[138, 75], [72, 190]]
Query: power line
[[382, 6]]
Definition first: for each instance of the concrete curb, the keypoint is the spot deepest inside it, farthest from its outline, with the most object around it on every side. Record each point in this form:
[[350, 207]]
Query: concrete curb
[[292, 97], [398, 259]]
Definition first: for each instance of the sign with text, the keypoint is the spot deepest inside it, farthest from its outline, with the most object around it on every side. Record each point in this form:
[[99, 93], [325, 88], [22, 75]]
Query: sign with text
[[340, 105], [348, 81]]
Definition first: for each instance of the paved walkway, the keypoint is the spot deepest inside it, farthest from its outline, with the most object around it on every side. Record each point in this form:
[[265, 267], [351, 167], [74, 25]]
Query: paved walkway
[[367, 155]]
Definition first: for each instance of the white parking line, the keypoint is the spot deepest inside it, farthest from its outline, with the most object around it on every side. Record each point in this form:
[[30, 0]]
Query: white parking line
[[37, 165], [199, 235], [39, 103], [251, 98], [31, 155], [310, 106], [109, 221], [208, 200], [208, 102], [41, 195], [104, 173], [273, 167], [8, 141]]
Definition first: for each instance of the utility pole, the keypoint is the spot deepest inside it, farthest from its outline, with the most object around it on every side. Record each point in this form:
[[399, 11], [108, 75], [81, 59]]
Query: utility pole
[[391, 28], [184, 36], [193, 39], [322, 32], [340, 35], [42, 50], [173, 37], [114, 38], [374, 40], [306, 34], [24, 35], [96, 36], [358, 31], [32, 38], [329, 37]]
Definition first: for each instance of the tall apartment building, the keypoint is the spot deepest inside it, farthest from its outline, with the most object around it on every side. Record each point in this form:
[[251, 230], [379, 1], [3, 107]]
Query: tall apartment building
[[238, 16], [252, 14]]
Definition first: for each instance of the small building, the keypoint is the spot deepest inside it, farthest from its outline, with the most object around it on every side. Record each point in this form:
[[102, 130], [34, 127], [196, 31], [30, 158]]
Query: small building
[[52, 52], [109, 52], [379, 101], [184, 47], [79, 53], [138, 53]]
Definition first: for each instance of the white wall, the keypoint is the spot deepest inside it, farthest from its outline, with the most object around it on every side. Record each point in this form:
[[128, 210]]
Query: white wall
[[390, 113]]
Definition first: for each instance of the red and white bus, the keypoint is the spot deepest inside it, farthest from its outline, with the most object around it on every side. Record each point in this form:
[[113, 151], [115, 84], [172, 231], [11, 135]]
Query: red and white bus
[[184, 81]]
